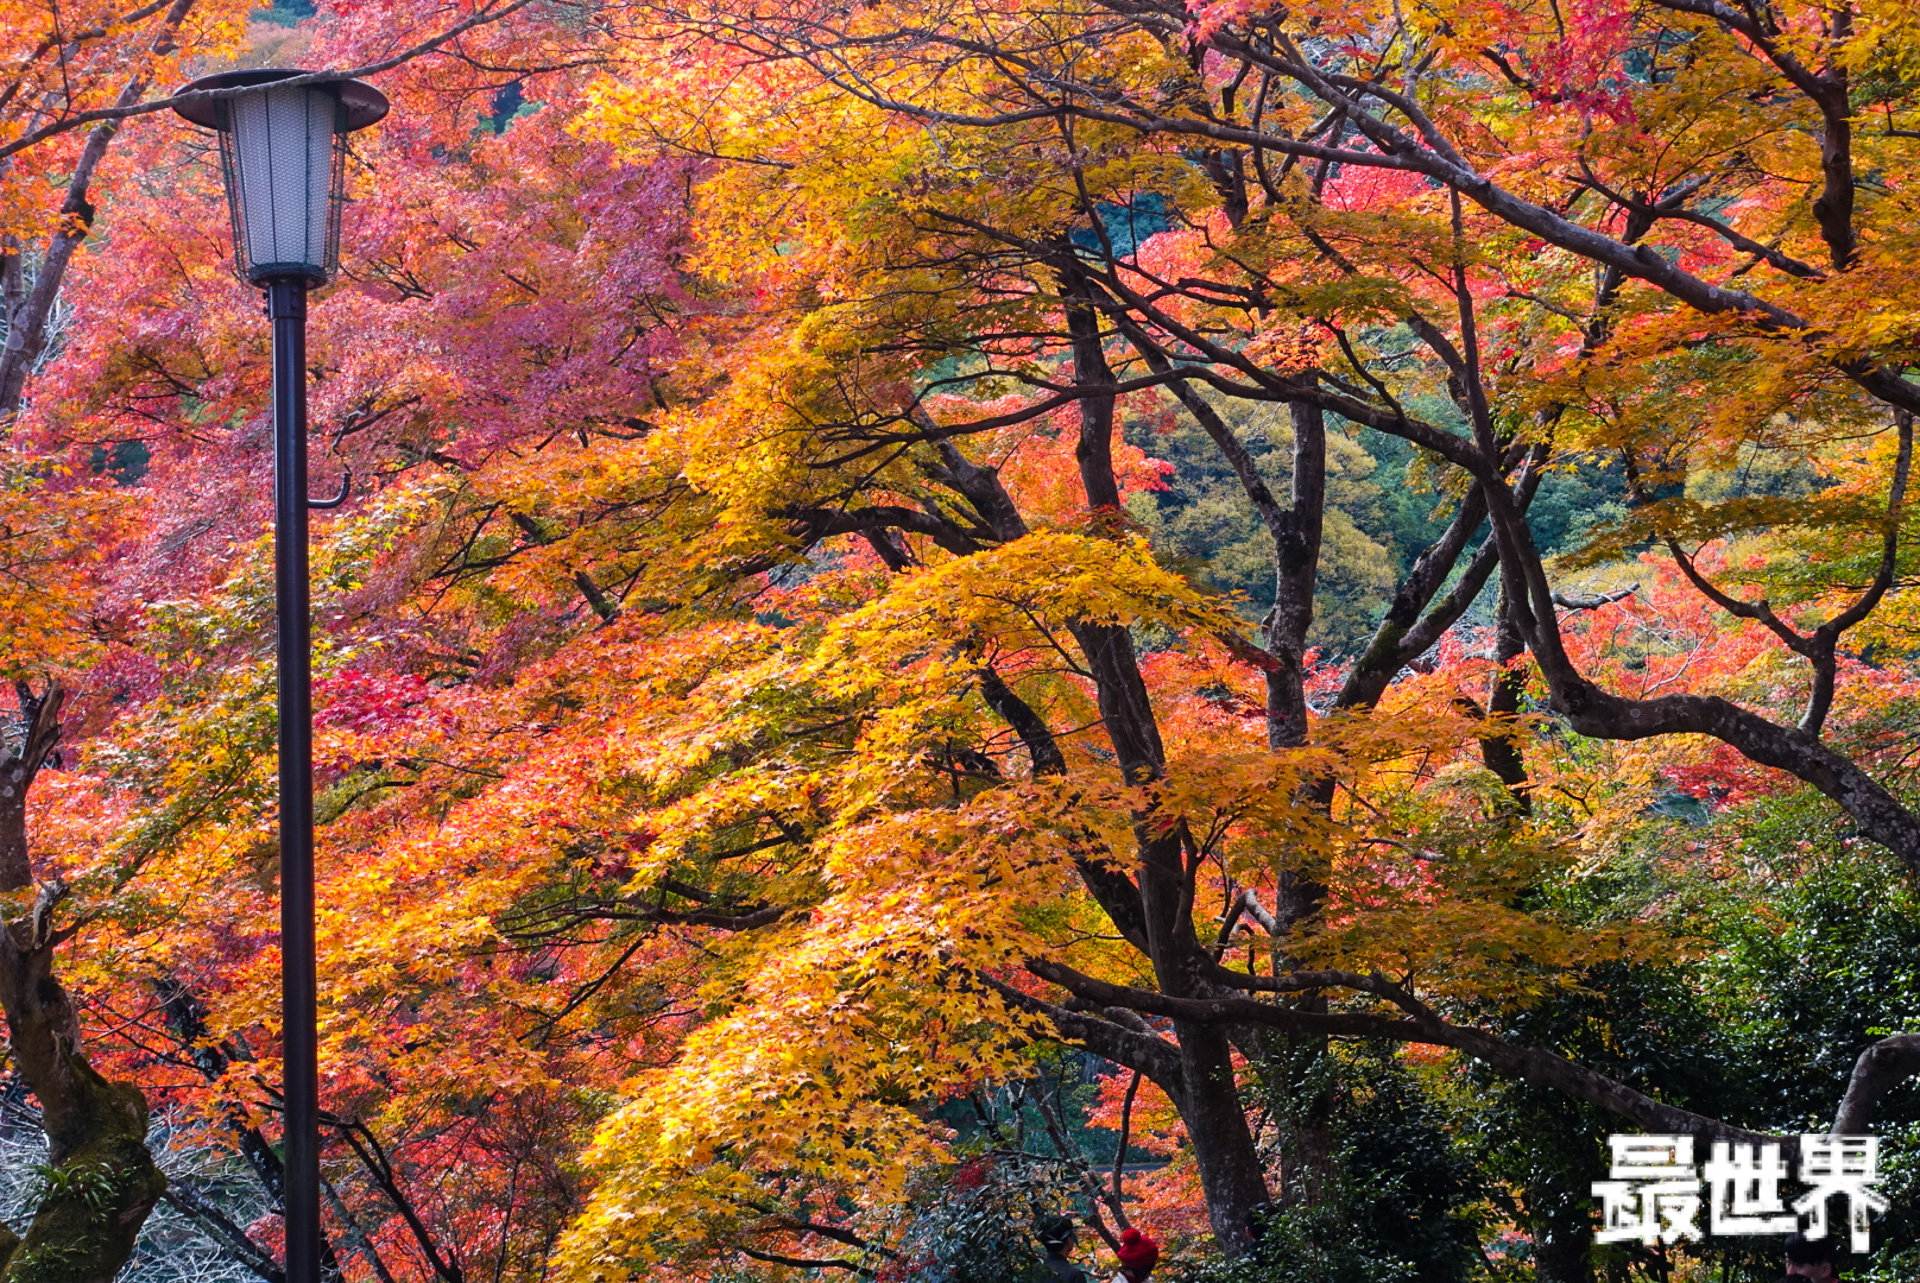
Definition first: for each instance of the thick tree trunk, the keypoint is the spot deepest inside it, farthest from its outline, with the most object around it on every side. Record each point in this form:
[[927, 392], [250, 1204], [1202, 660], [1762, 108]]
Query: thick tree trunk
[[1206, 1095], [1231, 1173], [1205, 1092], [103, 1181], [1499, 747], [1296, 573]]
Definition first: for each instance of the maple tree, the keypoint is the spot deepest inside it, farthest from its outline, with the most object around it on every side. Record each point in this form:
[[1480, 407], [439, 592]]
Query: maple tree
[[753, 713], [1413, 225]]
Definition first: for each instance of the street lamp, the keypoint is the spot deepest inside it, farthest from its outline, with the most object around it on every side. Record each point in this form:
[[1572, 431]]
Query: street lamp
[[283, 155]]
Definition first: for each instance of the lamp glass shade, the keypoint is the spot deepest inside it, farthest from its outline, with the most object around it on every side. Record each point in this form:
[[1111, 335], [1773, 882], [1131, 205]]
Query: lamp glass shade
[[285, 174], [284, 154]]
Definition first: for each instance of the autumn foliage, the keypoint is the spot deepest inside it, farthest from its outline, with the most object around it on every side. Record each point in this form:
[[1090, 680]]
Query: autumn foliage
[[926, 582]]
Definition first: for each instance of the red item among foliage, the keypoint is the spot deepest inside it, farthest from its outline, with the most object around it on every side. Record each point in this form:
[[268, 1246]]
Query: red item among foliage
[[1137, 1251]]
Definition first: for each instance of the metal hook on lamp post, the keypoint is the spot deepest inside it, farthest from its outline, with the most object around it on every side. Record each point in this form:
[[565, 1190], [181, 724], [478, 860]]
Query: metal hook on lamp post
[[346, 488]]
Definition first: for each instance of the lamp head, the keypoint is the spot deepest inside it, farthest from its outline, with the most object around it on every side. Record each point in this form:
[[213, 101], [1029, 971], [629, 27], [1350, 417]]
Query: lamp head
[[283, 155]]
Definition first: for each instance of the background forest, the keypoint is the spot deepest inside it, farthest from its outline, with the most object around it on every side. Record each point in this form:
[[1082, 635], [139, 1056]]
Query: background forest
[[1260, 622]]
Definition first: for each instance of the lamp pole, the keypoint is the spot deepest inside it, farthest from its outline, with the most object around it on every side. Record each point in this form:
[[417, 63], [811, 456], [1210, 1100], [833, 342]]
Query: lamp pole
[[283, 158], [300, 1051]]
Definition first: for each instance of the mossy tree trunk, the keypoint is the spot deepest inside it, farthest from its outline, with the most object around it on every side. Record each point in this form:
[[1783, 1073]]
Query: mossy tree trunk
[[101, 1182]]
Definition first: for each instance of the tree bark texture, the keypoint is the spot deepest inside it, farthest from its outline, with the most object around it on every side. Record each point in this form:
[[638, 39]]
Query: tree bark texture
[[1296, 573], [1499, 745], [101, 1182]]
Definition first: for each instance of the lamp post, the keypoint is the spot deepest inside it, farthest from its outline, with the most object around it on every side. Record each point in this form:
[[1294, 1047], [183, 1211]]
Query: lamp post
[[283, 155]]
